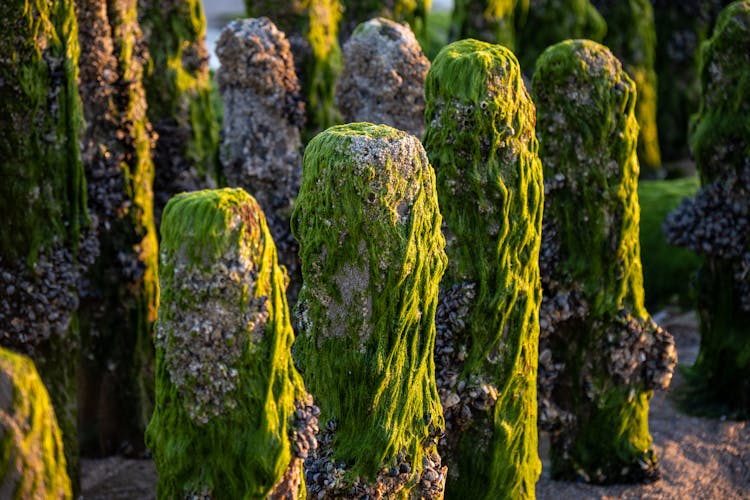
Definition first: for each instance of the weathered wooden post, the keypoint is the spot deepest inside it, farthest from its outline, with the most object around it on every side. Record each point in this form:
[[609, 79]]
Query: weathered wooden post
[[43, 248], [368, 224], [119, 292], [232, 418], [411, 12], [716, 222], [480, 138], [178, 90], [601, 355], [32, 462], [383, 77]]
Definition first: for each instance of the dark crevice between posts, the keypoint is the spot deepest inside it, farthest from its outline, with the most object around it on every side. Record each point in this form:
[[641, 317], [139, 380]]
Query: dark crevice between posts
[[480, 139], [119, 292], [600, 355]]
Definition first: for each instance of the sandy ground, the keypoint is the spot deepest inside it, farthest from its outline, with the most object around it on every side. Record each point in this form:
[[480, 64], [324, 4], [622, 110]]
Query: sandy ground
[[700, 458]]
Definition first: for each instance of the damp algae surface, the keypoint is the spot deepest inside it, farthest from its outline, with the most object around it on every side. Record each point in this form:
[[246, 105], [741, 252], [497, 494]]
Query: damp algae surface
[[226, 385], [368, 225]]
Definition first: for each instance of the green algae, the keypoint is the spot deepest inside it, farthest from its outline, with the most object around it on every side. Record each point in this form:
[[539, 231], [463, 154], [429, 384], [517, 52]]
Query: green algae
[[561, 19], [588, 133], [31, 448], [368, 225], [178, 90], [719, 138], [242, 450], [43, 193], [632, 38], [491, 21], [313, 27], [480, 138], [411, 12]]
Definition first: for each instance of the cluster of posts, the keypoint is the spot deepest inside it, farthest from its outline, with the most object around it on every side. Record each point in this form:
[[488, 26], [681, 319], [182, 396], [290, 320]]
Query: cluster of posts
[[462, 274]]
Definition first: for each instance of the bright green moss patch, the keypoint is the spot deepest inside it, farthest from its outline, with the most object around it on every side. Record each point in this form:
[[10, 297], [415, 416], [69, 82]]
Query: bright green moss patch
[[31, 449], [225, 382], [368, 225], [480, 139], [596, 323]]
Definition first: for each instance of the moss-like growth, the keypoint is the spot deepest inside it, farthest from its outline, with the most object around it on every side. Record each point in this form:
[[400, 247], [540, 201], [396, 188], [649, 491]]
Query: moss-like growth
[[551, 21], [226, 387], [120, 291], [631, 35], [32, 462], [42, 197], [480, 138], [368, 224], [715, 223], [312, 27], [178, 90], [411, 12], [600, 353], [668, 271], [492, 21]]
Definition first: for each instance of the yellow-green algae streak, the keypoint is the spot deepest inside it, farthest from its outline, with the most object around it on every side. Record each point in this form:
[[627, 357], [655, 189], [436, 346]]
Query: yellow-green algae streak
[[480, 139], [720, 138], [374, 374], [492, 21], [243, 452], [588, 133], [31, 449]]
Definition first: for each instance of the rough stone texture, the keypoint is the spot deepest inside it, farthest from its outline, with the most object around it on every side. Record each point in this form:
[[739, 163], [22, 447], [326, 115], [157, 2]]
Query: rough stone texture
[[631, 35], [178, 89], [492, 21], [263, 114], [311, 27], [383, 77], [409, 12], [551, 21], [368, 224], [480, 137], [226, 389], [42, 198], [119, 292], [600, 354], [31, 448], [716, 222]]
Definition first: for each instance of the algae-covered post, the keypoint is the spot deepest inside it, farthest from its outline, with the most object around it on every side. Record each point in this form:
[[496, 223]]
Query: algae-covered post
[[383, 77], [42, 198], [716, 222], [312, 27], [480, 138], [32, 463], [261, 148], [601, 355], [368, 224], [631, 35], [178, 91], [551, 21], [492, 21], [232, 418], [119, 291], [409, 12]]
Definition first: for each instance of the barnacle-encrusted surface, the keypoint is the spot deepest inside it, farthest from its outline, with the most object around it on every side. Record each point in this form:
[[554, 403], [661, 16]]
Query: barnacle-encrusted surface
[[383, 77], [312, 27], [561, 19], [263, 114], [368, 224], [480, 138], [226, 388], [32, 463], [631, 35], [410, 12], [600, 353], [119, 292], [43, 248], [716, 222], [178, 88]]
